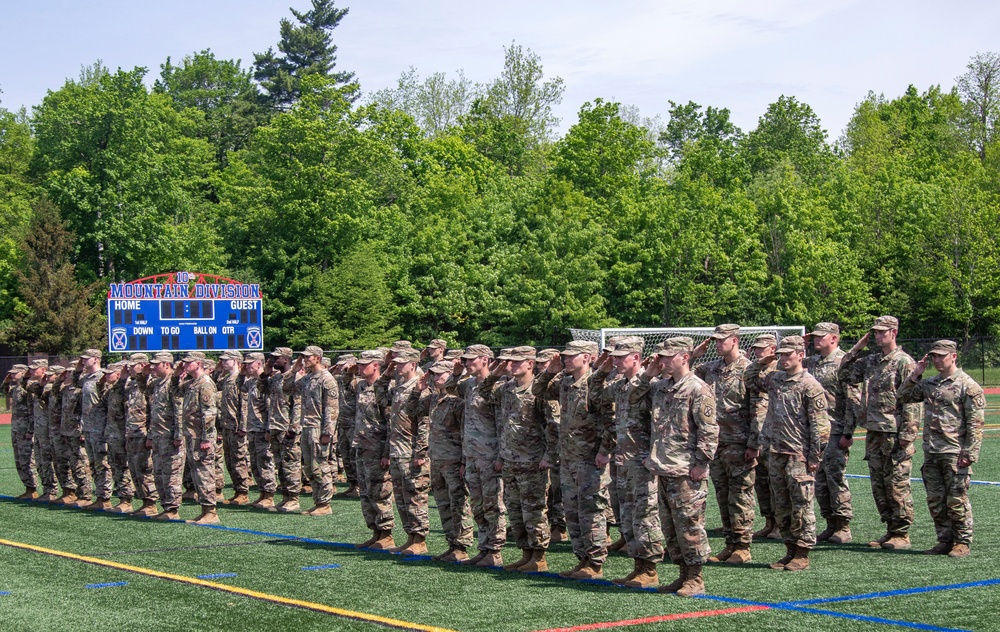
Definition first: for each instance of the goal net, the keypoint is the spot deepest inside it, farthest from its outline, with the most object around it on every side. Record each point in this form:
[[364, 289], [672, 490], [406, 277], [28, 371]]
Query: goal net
[[654, 335]]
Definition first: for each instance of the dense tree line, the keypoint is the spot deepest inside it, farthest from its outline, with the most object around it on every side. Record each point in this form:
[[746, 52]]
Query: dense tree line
[[442, 207]]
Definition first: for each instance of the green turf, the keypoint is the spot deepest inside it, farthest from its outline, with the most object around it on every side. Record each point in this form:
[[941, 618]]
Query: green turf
[[447, 595]]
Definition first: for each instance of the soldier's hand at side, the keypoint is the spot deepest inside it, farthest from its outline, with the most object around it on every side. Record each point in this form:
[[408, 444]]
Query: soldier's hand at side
[[384, 463], [324, 439], [751, 455], [812, 466], [267, 437], [602, 460], [149, 444], [418, 462], [699, 472], [904, 445], [241, 433], [498, 466], [701, 349], [963, 462], [177, 443], [846, 442], [544, 465], [461, 470], [205, 445], [28, 436]]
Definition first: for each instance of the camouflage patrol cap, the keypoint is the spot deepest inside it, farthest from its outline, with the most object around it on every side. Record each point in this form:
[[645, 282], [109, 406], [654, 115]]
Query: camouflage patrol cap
[[505, 353], [885, 323], [162, 356], [676, 345], [400, 345], [58, 369], [576, 347], [115, 367], [764, 340], [325, 361], [546, 354], [367, 357], [312, 350], [231, 354], [609, 344], [442, 366], [40, 363], [255, 356], [725, 331], [91, 353], [437, 343], [347, 358], [519, 354], [822, 329], [281, 352], [194, 356], [383, 350], [407, 355], [477, 351], [944, 347], [140, 358], [628, 345], [790, 344], [18, 368], [454, 354], [209, 364]]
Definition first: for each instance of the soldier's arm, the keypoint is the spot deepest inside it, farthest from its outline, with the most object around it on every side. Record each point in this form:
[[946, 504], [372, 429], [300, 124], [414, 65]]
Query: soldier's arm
[[543, 385], [489, 390], [754, 423], [209, 412], [755, 377], [421, 419], [706, 426], [641, 389], [816, 418], [911, 390], [974, 416], [331, 407], [383, 395], [909, 421]]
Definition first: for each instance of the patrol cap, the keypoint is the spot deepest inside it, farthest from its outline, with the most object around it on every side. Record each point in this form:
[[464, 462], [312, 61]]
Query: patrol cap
[[764, 340], [454, 354], [209, 364], [437, 343], [576, 347], [312, 350], [400, 345], [40, 363], [518, 354], [628, 345], [139, 358], [91, 353], [822, 329], [609, 344], [546, 354], [676, 345], [113, 368], [281, 352], [347, 358], [477, 351], [505, 353], [194, 356], [442, 366], [255, 356], [58, 369], [231, 354], [885, 323], [407, 355], [18, 368], [944, 347], [325, 361], [367, 357], [791, 344], [725, 331], [162, 356]]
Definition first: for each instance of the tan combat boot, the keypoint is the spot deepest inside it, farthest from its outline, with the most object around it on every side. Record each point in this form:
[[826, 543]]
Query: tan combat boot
[[897, 542], [30, 493], [48, 497], [455, 554], [525, 558], [492, 559], [472, 561], [370, 541], [831, 528], [319, 510], [67, 498], [789, 554], [399, 549], [675, 585], [266, 501], [694, 584], [646, 577], [291, 505], [724, 554], [384, 541], [765, 531], [307, 489], [941, 548], [124, 506], [99, 504], [590, 570], [441, 556], [537, 563], [239, 499], [800, 561], [877, 544], [208, 516], [741, 554], [618, 545], [353, 492], [417, 547], [574, 570], [189, 495], [559, 535], [959, 550], [148, 509], [168, 514], [636, 567], [843, 533]]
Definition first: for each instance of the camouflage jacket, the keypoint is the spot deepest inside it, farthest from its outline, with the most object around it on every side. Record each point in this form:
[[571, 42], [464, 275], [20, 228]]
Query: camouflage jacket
[[94, 418], [583, 432], [408, 427], [446, 413], [683, 429], [371, 428], [827, 373], [230, 401], [254, 408], [164, 406], [200, 411], [70, 424], [347, 387], [480, 434], [318, 401], [136, 407], [520, 419], [38, 407], [20, 407], [280, 407], [797, 421], [881, 376], [55, 408], [732, 400], [632, 420], [114, 404], [758, 408], [954, 413]]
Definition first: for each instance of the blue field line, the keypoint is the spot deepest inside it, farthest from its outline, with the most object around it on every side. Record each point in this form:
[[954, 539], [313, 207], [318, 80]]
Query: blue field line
[[216, 575], [107, 585], [920, 480], [4, 593], [322, 567], [894, 593]]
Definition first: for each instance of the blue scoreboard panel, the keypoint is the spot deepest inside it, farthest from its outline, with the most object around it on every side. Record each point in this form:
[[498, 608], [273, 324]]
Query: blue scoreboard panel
[[183, 318]]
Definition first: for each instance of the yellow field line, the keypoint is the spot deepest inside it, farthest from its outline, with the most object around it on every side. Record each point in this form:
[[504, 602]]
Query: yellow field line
[[253, 594]]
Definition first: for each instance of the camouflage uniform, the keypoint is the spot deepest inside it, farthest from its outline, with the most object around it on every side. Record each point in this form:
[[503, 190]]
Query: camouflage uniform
[[556, 508], [235, 445], [41, 441], [954, 412], [72, 457], [20, 433], [347, 387], [166, 404], [481, 450], [114, 435], [408, 438], [370, 443], [445, 449], [63, 475], [283, 426], [198, 426], [254, 413], [606, 409], [732, 475], [832, 491], [319, 403], [94, 420], [889, 423], [758, 414], [140, 458]]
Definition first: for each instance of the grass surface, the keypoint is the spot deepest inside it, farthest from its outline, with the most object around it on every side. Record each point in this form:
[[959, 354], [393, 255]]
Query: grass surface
[[48, 593]]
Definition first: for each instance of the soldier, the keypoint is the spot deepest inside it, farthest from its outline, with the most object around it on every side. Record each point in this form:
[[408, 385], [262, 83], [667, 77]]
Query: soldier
[[832, 491], [255, 413], [198, 426], [38, 389], [797, 423], [140, 456], [481, 453], [320, 405], [891, 426], [235, 448], [408, 437], [606, 374], [283, 428], [445, 450], [545, 360], [63, 473], [585, 441], [165, 436], [684, 437], [20, 430], [50, 432], [764, 345], [433, 352], [954, 414], [113, 403], [94, 420], [73, 457], [732, 469], [370, 442], [345, 372]]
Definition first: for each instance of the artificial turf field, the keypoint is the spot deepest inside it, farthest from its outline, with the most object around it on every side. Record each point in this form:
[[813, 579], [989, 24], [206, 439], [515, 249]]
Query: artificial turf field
[[267, 553]]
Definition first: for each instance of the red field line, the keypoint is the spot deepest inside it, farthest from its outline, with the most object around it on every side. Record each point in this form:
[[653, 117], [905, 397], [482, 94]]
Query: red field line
[[5, 419], [658, 619], [993, 390]]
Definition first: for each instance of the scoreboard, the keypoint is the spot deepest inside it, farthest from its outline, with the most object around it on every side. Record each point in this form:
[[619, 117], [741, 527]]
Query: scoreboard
[[184, 311]]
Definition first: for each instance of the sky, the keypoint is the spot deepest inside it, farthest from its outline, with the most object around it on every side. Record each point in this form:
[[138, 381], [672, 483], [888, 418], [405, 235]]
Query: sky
[[736, 54]]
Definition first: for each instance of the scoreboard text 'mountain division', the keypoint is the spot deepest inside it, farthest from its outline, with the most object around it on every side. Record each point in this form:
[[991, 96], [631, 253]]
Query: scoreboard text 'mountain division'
[[184, 311]]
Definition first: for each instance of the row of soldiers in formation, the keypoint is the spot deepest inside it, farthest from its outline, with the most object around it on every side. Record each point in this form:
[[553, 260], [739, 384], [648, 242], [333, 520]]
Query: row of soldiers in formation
[[582, 437]]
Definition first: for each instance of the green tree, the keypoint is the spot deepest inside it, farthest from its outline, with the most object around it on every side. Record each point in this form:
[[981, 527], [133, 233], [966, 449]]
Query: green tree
[[980, 87], [16, 194], [436, 103]]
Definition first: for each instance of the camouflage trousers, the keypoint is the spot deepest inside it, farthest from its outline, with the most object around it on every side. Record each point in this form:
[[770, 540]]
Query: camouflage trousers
[[733, 478], [140, 466], [262, 462], [410, 484], [45, 460], [586, 501], [890, 467], [345, 435], [452, 499], [948, 497], [613, 515], [202, 470], [793, 488], [316, 467], [640, 515], [168, 470], [682, 516], [762, 484], [526, 490], [24, 458], [121, 479], [220, 475], [557, 511], [72, 467], [376, 491], [236, 453], [97, 454], [486, 491], [287, 454], [832, 491]]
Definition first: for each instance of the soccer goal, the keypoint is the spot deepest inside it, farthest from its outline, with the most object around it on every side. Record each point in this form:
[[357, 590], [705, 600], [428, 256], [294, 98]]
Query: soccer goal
[[659, 334]]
